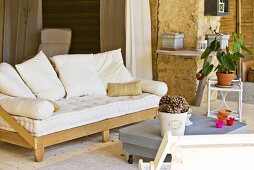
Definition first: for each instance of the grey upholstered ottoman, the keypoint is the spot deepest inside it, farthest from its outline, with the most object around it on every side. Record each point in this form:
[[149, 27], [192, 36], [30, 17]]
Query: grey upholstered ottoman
[[144, 138]]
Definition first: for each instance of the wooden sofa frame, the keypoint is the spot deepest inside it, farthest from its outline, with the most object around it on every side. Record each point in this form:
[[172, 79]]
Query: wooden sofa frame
[[25, 139]]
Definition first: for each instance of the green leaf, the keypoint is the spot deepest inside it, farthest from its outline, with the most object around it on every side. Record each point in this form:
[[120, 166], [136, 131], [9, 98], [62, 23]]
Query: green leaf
[[206, 53], [234, 35], [224, 60], [219, 54], [220, 68], [217, 46], [236, 47], [238, 38], [207, 69], [213, 45], [247, 50], [230, 62], [237, 56]]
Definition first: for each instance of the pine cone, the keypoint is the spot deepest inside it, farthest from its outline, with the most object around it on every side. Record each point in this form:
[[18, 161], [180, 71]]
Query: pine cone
[[165, 100], [165, 108], [174, 104]]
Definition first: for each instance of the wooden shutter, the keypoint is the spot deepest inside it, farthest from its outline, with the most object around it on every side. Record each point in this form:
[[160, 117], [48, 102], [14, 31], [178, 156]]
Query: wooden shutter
[[81, 16], [228, 23], [248, 24]]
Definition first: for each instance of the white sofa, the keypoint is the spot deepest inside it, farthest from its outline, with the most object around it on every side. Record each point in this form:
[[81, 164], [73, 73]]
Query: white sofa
[[28, 119]]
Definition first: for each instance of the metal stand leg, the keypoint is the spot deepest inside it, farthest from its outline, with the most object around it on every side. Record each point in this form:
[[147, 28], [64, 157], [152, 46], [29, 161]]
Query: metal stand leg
[[240, 107], [130, 159], [208, 97]]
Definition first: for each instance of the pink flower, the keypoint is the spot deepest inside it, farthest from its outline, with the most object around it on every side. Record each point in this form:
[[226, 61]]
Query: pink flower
[[219, 124]]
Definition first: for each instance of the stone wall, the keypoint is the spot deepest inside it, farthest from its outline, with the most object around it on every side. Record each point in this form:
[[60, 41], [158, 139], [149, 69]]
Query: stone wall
[[180, 16], [179, 71]]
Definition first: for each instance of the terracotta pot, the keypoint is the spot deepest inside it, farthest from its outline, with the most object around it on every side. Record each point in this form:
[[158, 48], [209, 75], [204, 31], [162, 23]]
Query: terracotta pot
[[225, 79], [225, 112]]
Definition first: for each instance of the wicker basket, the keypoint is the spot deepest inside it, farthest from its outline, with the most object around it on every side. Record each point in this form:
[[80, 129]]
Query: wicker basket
[[251, 75]]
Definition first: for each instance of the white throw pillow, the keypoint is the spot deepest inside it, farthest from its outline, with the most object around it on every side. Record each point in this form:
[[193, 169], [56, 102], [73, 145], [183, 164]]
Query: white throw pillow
[[111, 69], [41, 78], [155, 87], [25, 107], [78, 75], [11, 83]]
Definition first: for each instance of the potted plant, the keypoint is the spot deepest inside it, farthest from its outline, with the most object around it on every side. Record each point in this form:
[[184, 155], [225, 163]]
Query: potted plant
[[173, 114], [227, 60]]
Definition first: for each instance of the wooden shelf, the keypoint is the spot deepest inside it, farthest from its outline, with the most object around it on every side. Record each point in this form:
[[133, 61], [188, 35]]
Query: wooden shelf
[[193, 53]]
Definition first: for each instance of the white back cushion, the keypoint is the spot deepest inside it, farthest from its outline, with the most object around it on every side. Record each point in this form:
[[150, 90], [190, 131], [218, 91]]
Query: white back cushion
[[111, 69], [11, 83], [41, 78], [78, 75]]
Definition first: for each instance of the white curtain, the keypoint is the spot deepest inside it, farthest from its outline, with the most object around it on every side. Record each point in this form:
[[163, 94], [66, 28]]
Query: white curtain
[[138, 38], [22, 26]]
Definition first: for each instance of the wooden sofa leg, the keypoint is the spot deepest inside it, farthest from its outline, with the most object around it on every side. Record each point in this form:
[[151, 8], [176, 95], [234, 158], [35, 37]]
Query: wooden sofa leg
[[38, 154], [105, 135]]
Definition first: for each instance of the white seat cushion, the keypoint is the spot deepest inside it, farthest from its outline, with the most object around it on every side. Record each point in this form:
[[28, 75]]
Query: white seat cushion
[[41, 78], [12, 84], [111, 69], [78, 75], [80, 111]]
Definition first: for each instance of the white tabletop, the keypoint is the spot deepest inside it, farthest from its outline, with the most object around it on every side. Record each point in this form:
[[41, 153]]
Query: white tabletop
[[235, 87]]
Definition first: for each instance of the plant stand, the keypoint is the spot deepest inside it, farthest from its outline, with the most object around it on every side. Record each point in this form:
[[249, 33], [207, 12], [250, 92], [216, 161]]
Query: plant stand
[[237, 86]]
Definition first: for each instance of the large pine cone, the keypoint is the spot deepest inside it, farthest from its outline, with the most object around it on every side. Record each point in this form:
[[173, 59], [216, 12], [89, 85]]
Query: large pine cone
[[174, 104], [165, 100]]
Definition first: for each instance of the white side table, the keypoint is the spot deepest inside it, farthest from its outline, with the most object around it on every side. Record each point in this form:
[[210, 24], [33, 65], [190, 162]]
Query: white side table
[[237, 88]]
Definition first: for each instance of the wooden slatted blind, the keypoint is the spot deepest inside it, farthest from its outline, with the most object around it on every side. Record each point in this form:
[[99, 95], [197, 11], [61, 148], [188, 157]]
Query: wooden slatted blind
[[228, 23], [248, 23], [82, 16]]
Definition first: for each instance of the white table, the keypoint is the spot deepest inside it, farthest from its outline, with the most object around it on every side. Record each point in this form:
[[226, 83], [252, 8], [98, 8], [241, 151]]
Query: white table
[[144, 138], [236, 88]]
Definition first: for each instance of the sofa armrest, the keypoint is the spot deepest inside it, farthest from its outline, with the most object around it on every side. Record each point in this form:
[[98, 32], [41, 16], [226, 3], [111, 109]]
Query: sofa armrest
[[26, 107], [155, 87]]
